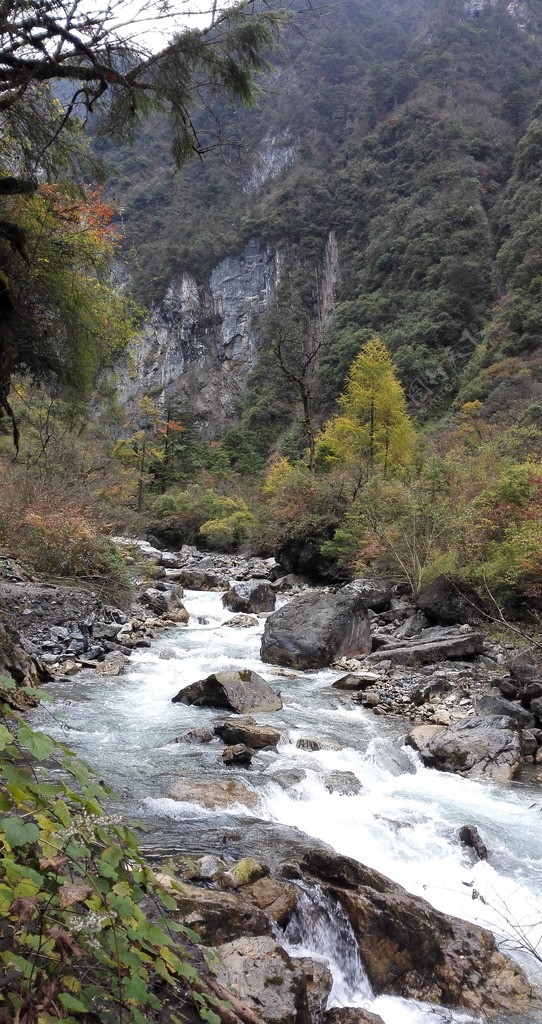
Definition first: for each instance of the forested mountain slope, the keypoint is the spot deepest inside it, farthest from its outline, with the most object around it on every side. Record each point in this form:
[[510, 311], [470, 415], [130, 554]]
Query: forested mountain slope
[[409, 132]]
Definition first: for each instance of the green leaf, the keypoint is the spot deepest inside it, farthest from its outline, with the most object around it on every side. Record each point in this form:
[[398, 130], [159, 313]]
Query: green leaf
[[38, 744], [72, 1004], [18, 832], [5, 737], [135, 988]]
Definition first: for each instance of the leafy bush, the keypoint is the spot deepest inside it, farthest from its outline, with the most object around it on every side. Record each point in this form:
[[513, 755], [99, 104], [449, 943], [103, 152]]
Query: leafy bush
[[200, 514], [88, 929]]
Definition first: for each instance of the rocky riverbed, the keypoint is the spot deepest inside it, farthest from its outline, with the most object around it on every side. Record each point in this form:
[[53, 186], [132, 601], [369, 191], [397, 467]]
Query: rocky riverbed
[[241, 777]]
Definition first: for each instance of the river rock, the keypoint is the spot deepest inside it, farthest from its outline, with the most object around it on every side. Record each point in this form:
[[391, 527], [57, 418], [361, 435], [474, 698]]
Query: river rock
[[526, 667], [205, 869], [245, 730], [344, 783], [319, 982], [277, 898], [449, 600], [113, 664], [220, 916], [264, 977], [197, 579], [433, 645], [239, 690], [470, 836], [290, 582], [411, 950], [21, 667], [490, 705], [315, 630], [376, 594], [246, 871], [196, 736], [252, 596], [356, 681], [480, 748], [239, 753], [241, 621], [214, 793], [350, 1015]]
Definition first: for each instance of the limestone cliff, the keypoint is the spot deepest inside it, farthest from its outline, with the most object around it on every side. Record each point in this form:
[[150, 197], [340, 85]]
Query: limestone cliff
[[201, 341]]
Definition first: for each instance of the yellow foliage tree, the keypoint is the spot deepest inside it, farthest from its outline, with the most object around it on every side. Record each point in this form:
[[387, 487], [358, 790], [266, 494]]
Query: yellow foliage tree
[[373, 431]]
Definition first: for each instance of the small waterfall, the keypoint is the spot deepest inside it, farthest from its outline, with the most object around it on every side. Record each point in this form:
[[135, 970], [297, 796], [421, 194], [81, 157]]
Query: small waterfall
[[319, 927]]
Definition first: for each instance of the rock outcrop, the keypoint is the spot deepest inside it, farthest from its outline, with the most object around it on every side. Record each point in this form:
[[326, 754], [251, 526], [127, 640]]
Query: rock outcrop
[[316, 629], [411, 950]]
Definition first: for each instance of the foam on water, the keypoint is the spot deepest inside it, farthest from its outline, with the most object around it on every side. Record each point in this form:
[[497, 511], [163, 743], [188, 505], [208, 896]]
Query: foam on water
[[404, 822]]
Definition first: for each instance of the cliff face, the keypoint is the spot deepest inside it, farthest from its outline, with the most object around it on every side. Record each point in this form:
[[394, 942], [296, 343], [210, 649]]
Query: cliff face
[[201, 341]]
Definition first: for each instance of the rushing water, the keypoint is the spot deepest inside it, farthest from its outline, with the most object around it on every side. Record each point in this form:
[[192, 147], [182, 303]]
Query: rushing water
[[404, 822]]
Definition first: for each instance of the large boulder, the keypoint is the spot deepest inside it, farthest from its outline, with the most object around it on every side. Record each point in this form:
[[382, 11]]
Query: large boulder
[[449, 600], [264, 977], [252, 596], [240, 690], [315, 630], [492, 705], [245, 730], [411, 950], [486, 747]]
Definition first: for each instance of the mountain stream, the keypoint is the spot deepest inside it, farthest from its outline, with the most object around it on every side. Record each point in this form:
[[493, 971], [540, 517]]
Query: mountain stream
[[403, 822]]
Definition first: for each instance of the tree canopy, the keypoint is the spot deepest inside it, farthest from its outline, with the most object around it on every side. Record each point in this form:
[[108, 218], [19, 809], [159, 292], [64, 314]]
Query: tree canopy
[[98, 56]]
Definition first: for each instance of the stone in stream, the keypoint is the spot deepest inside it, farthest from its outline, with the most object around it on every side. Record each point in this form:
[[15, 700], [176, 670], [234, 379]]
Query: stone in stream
[[214, 794], [479, 748], [113, 664], [411, 950], [277, 898], [319, 982], [470, 836], [252, 596], [356, 681], [241, 621], [245, 730], [239, 690], [314, 630], [343, 783], [165, 603], [239, 753], [264, 977], [350, 1015]]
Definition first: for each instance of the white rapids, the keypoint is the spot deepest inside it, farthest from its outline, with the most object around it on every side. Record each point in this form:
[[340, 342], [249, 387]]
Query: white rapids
[[403, 822]]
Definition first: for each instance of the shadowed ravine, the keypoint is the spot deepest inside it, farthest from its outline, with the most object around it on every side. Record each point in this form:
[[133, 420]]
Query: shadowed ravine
[[403, 822]]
